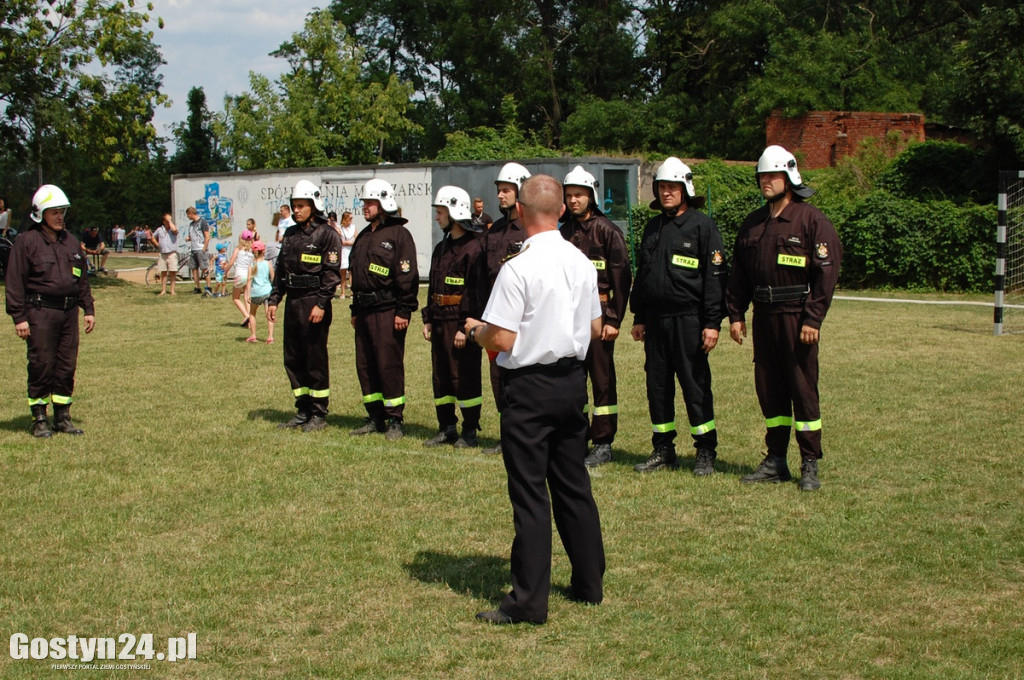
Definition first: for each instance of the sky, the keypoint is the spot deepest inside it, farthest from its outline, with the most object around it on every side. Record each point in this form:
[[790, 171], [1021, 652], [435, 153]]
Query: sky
[[214, 44]]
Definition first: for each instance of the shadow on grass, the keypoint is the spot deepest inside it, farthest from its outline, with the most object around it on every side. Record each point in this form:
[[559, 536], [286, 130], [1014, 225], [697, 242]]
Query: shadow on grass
[[480, 576], [17, 424], [686, 464]]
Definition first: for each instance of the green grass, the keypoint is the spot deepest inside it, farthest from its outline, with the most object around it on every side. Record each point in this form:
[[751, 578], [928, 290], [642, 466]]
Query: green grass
[[183, 509]]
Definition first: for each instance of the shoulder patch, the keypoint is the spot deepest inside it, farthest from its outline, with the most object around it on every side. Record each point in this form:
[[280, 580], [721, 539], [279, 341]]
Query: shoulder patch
[[716, 258], [515, 254], [405, 266], [822, 250]]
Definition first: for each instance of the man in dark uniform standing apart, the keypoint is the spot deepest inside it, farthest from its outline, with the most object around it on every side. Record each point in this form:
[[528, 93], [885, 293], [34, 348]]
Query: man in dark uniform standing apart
[[385, 284], [458, 277], [602, 243], [542, 315], [46, 284], [786, 262], [307, 273], [503, 239], [678, 303]]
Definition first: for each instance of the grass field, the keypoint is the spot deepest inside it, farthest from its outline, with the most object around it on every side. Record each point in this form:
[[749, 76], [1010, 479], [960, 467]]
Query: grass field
[[185, 510]]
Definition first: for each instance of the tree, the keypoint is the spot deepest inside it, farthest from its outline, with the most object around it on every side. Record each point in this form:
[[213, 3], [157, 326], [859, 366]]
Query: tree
[[198, 144], [77, 74], [321, 112]]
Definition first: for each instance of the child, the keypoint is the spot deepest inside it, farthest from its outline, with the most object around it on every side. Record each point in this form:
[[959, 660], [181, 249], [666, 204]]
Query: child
[[260, 276], [241, 260], [219, 269]]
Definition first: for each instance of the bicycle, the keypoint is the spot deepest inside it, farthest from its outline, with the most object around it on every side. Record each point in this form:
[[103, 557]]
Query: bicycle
[[184, 272]]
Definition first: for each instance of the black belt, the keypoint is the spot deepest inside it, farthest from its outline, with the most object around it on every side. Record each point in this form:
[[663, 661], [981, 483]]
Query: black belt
[[303, 281], [52, 302], [560, 367], [360, 300], [781, 293]]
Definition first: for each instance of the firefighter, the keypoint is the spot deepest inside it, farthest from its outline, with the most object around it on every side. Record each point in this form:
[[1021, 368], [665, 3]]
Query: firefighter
[[307, 274], [786, 262], [678, 306], [601, 241], [458, 277], [46, 284], [504, 239], [385, 284]]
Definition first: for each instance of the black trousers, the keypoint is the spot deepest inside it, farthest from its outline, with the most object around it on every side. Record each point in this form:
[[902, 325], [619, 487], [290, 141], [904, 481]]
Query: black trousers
[[786, 380], [52, 354], [380, 363], [305, 354], [544, 442], [672, 346], [604, 419], [456, 376]]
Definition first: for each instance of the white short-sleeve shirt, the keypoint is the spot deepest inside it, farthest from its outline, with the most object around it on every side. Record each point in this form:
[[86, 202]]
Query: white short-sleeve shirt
[[547, 295]]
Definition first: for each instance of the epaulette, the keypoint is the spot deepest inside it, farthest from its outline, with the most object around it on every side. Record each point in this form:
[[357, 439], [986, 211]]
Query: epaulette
[[521, 251]]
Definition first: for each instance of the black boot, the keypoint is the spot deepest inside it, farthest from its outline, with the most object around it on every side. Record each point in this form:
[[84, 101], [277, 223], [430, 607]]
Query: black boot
[[298, 420], [369, 426], [809, 475], [62, 420], [394, 431], [705, 464], [315, 423], [40, 428], [599, 455], [662, 457], [468, 439], [772, 469], [446, 435]]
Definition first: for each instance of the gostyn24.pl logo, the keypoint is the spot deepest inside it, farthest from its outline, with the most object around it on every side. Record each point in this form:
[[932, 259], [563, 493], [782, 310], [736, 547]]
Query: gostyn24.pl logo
[[125, 647]]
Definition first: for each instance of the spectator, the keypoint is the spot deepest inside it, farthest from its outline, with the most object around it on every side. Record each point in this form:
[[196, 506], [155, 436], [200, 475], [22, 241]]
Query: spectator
[[199, 239], [348, 237], [118, 238], [480, 218], [166, 241], [5, 219], [260, 287], [241, 260], [139, 235], [92, 244], [220, 268]]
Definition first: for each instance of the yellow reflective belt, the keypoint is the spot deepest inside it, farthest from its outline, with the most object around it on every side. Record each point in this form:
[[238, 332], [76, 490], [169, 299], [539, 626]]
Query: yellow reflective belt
[[664, 427], [43, 401], [606, 410], [397, 401], [61, 399], [471, 402], [702, 429], [376, 396], [807, 425], [779, 421], [300, 391], [320, 394], [440, 401]]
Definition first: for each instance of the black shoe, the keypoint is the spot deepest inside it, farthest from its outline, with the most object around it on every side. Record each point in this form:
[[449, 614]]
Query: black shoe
[[394, 431], [40, 426], [197, 291], [468, 439], [298, 420], [244, 324], [772, 469], [705, 464], [599, 455], [500, 618], [62, 421], [809, 475], [446, 436], [370, 426], [661, 457], [493, 450], [315, 424]]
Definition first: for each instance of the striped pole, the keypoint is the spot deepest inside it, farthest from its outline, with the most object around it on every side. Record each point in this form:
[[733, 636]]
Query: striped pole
[[1000, 254]]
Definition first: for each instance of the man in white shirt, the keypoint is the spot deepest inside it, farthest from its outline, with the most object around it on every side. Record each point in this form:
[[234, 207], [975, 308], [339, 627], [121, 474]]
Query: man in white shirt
[[543, 312], [274, 245]]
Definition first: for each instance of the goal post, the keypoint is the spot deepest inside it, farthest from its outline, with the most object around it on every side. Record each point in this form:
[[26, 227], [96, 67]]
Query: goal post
[[1009, 278]]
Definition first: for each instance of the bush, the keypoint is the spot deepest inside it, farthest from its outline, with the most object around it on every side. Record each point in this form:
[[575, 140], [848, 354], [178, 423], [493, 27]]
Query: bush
[[937, 171]]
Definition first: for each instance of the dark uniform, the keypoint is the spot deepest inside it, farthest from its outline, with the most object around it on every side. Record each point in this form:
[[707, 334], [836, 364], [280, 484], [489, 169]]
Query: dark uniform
[[385, 283], [456, 292], [601, 241], [679, 291], [46, 285], [307, 273], [788, 267], [504, 239]]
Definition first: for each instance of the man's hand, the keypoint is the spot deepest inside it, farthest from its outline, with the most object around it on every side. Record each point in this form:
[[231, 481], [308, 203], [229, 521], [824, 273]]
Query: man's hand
[[609, 333], [808, 335], [460, 340], [400, 323], [90, 323], [316, 315], [272, 313], [638, 332], [710, 337], [738, 331], [22, 330], [426, 331]]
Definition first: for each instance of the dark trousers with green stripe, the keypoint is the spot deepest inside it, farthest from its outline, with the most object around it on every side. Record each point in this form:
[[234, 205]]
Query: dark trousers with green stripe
[[673, 348], [305, 354], [52, 354], [456, 376], [604, 420], [380, 363], [786, 379]]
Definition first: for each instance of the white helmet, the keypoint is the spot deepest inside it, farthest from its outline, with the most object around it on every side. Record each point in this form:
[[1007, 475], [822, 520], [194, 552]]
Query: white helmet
[[674, 170], [382, 191], [456, 200], [47, 196], [513, 173], [777, 159], [578, 177], [306, 189]]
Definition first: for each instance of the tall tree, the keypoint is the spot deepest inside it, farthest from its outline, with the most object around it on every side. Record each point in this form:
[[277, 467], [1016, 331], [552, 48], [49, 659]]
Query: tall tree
[[198, 147]]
